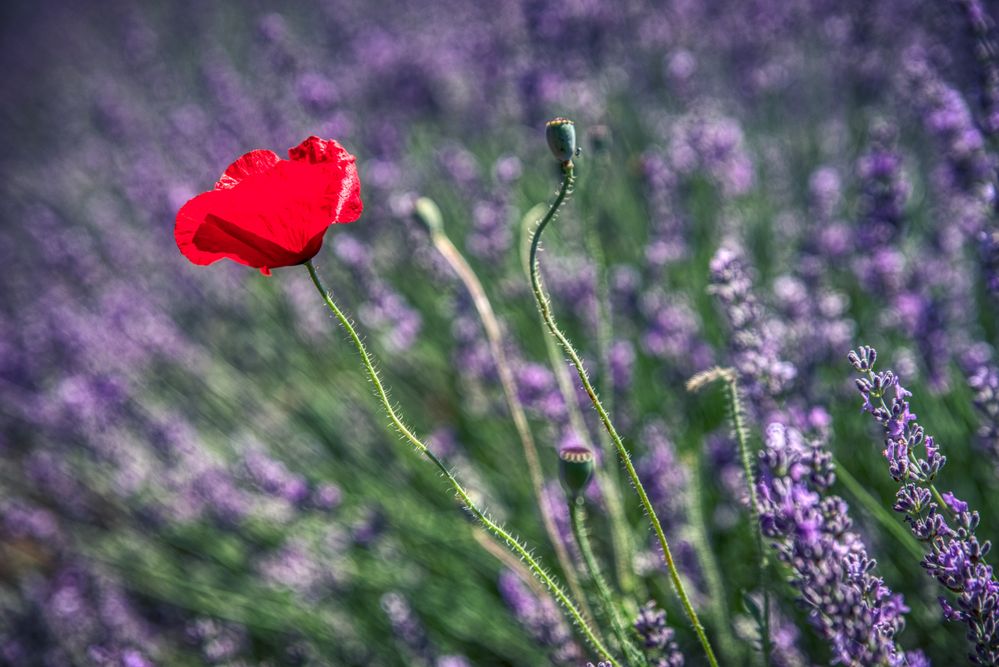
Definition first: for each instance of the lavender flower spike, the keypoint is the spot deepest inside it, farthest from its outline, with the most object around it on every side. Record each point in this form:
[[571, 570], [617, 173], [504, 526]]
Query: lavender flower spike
[[657, 637], [847, 604], [956, 558]]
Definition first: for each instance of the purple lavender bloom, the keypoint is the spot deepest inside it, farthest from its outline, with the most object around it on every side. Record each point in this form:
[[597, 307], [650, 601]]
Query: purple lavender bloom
[[884, 193], [956, 558], [657, 637], [407, 629], [714, 144], [673, 333], [984, 381], [754, 344], [541, 619], [849, 606], [622, 363], [982, 30], [667, 242]]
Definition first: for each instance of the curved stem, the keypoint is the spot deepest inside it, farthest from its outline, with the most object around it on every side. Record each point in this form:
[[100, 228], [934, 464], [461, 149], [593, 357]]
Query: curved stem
[[620, 536], [511, 542], [543, 306], [607, 476], [494, 336], [577, 515]]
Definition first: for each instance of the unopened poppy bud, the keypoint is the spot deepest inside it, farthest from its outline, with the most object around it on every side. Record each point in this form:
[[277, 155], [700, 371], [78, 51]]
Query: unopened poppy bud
[[561, 136], [427, 212], [575, 468]]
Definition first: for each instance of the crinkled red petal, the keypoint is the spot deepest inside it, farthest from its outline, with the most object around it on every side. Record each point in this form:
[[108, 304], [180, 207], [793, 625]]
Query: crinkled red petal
[[341, 167], [266, 212], [254, 162]]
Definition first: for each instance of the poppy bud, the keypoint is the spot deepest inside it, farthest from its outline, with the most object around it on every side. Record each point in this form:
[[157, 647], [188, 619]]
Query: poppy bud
[[575, 468], [427, 212], [561, 136]]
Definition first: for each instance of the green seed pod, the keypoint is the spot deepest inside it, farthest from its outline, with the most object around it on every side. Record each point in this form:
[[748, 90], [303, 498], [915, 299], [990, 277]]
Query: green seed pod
[[427, 212], [575, 469], [561, 136]]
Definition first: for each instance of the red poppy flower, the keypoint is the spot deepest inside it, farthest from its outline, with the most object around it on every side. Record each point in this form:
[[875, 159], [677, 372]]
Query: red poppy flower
[[266, 212]]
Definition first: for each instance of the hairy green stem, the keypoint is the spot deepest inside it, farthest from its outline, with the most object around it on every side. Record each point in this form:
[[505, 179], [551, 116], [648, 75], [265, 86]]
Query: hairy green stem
[[717, 607], [543, 306], [620, 536], [494, 335], [607, 476], [742, 438], [729, 381], [577, 517], [509, 540]]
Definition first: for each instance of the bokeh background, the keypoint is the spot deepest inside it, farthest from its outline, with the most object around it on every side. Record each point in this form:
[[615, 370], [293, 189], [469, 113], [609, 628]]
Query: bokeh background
[[192, 468]]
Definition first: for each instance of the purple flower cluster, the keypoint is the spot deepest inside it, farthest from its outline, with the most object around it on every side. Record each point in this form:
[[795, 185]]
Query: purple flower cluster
[[956, 558], [985, 44], [984, 381], [755, 345], [541, 619], [848, 605], [713, 144], [657, 637]]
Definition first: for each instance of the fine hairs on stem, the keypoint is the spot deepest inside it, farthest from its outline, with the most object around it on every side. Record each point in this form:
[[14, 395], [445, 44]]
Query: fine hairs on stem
[[544, 307], [495, 529], [729, 379], [621, 541], [428, 213], [577, 517]]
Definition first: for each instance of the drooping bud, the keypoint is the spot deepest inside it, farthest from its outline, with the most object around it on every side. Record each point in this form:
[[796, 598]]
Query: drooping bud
[[575, 469], [561, 136], [426, 212]]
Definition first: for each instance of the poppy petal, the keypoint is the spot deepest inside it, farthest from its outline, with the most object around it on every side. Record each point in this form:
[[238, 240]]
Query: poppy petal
[[254, 162], [341, 169], [266, 212]]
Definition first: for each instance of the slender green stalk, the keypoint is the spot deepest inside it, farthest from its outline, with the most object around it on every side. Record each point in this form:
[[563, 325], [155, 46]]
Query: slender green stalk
[[727, 643], [511, 542], [577, 517], [730, 382], [620, 536], [607, 476], [544, 307], [491, 326], [877, 510], [741, 437]]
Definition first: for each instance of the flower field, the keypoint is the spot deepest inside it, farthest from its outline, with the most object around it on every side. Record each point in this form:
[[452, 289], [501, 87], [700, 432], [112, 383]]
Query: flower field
[[640, 333]]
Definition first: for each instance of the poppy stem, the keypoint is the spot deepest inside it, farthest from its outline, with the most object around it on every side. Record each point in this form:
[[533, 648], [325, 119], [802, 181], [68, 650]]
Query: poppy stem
[[544, 306], [494, 335], [499, 532], [577, 516]]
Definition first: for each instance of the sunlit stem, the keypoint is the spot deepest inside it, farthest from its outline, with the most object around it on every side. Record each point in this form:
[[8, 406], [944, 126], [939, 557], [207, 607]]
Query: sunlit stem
[[717, 607], [577, 514], [607, 476], [729, 380], [495, 529], [545, 309], [494, 336]]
